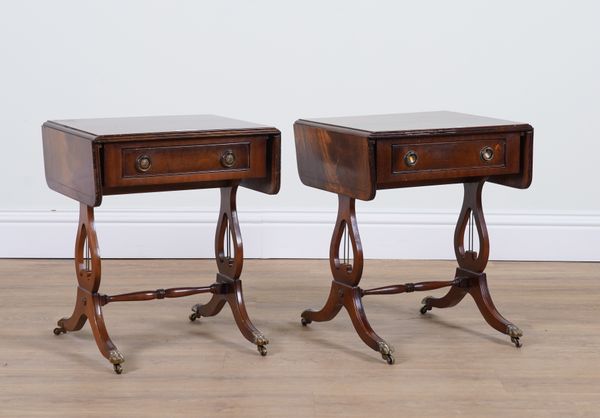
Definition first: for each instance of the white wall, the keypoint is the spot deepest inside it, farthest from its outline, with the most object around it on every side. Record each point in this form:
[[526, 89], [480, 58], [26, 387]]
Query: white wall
[[274, 61]]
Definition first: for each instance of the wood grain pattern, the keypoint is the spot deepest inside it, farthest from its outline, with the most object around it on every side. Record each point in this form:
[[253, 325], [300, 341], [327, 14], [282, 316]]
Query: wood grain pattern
[[88, 158], [445, 157], [448, 363], [182, 162], [84, 160], [334, 154], [422, 124], [271, 182], [72, 165], [416, 149], [118, 129], [336, 160], [521, 180]]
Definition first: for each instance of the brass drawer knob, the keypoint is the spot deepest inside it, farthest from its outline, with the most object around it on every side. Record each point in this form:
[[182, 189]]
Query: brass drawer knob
[[228, 159], [486, 153], [143, 163], [410, 159]]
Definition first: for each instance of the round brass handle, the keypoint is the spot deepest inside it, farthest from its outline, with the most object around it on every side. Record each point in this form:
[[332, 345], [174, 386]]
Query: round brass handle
[[486, 153], [410, 158], [228, 159], [143, 163]]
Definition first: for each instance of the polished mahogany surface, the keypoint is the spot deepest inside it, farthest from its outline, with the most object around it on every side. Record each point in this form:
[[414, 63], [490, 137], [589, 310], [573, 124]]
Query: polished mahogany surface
[[355, 156], [87, 159], [419, 123], [157, 124]]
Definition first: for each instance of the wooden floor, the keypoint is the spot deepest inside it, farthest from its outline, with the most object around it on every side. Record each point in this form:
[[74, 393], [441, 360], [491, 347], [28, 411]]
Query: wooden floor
[[449, 363]]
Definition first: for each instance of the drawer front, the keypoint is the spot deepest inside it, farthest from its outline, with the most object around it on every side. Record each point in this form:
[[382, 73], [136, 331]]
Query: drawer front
[[154, 163], [432, 159]]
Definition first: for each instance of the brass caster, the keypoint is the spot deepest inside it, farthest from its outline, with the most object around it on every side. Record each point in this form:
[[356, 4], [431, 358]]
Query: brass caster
[[305, 321], [516, 342], [116, 358], [58, 331], [261, 344], [386, 351], [389, 358], [262, 349], [194, 316], [514, 332]]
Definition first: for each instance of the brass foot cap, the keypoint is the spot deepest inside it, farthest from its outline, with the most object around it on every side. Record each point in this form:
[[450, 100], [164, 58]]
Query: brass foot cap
[[385, 349], [514, 331], [260, 339], [115, 357]]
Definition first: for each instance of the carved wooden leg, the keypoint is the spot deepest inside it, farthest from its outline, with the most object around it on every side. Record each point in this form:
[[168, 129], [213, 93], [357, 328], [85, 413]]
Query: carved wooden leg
[[471, 266], [77, 319], [212, 308], [332, 306], [103, 341], [88, 303], [229, 255], [235, 299], [452, 298], [481, 294], [344, 289], [353, 303]]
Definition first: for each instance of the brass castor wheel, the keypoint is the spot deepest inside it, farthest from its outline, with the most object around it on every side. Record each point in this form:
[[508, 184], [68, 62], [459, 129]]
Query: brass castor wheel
[[305, 321], [118, 368], [194, 316], [262, 349], [514, 333], [389, 358], [516, 341], [386, 351], [58, 331]]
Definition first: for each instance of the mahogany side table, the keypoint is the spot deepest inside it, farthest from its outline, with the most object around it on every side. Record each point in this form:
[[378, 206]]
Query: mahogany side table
[[87, 159], [355, 156]]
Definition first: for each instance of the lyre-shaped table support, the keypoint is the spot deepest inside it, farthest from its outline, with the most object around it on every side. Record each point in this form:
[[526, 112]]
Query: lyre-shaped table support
[[88, 303], [346, 277], [229, 255], [469, 278], [472, 265], [227, 288]]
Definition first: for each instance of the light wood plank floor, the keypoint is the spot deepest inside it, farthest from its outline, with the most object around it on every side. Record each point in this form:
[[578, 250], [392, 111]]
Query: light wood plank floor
[[449, 363]]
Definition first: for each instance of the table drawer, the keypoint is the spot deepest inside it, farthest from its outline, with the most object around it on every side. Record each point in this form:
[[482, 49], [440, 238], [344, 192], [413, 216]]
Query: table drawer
[[447, 157], [154, 163]]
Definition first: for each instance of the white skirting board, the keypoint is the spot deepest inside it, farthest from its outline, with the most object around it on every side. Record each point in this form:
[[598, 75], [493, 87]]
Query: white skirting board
[[291, 234]]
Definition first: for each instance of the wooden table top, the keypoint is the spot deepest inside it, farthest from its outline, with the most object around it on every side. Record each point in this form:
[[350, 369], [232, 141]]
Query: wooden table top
[[419, 123], [87, 158], [158, 125], [356, 155]]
